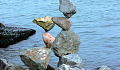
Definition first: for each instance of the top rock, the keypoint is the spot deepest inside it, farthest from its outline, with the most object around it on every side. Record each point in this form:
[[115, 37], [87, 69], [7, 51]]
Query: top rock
[[67, 8]]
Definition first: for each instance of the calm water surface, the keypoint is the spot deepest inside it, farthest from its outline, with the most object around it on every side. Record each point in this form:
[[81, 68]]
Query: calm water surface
[[97, 22]]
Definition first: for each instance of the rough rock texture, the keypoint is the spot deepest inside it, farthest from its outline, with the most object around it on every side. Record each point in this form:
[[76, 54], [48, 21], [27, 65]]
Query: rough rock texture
[[5, 65], [36, 58], [1, 25], [66, 42], [45, 22], [104, 68], [48, 39], [73, 60], [62, 22], [12, 35], [68, 67], [67, 8]]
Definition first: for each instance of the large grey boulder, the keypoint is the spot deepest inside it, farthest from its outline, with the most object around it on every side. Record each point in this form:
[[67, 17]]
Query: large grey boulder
[[67, 8], [62, 22], [5, 65], [73, 60], [104, 67], [36, 58], [12, 35], [65, 43]]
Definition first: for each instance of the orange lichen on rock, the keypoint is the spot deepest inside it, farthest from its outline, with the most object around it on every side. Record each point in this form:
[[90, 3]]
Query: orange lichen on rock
[[48, 39]]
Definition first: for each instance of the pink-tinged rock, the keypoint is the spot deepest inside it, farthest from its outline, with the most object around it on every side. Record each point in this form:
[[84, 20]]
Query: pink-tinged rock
[[48, 39], [62, 22]]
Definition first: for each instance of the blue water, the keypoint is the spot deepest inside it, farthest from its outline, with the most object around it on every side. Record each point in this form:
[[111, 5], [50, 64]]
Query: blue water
[[97, 22]]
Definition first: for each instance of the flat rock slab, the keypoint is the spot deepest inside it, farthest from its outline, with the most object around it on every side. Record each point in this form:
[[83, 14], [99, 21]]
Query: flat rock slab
[[66, 42], [12, 35], [67, 8]]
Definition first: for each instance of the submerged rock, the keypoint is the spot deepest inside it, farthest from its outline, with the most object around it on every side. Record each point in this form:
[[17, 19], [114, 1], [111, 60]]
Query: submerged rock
[[67, 8], [48, 39], [65, 43], [73, 60], [36, 58], [5, 65], [12, 35], [45, 22], [104, 67], [62, 22]]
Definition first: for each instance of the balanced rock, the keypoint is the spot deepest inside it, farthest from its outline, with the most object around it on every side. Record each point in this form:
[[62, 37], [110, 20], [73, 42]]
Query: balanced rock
[[66, 42], [12, 35], [48, 39], [72, 60], [62, 22], [67, 8], [45, 22], [36, 58], [104, 67], [6, 65]]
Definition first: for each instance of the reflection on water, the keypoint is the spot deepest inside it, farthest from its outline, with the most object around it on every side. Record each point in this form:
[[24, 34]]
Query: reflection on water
[[97, 22]]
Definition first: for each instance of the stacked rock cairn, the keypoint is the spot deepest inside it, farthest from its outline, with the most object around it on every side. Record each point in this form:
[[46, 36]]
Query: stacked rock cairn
[[64, 46]]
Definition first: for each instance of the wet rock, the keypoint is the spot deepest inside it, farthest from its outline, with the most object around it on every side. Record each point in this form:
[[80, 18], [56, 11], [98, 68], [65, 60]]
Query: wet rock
[[45, 22], [67, 8], [12, 35], [68, 67], [48, 39], [62, 22], [5, 65], [72, 60], [104, 67], [1, 25], [36, 58], [65, 43]]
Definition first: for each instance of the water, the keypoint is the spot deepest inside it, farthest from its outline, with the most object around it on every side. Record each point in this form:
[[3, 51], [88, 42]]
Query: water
[[97, 22]]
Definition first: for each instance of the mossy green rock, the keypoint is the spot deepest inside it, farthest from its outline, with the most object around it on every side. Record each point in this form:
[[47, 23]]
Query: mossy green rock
[[1, 25], [46, 23], [12, 35]]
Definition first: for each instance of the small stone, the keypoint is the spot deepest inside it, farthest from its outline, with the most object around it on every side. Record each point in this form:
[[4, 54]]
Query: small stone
[[62, 22], [66, 42], [45, 22], [67, 8], [36, 58], [48, 39], [104, 67]]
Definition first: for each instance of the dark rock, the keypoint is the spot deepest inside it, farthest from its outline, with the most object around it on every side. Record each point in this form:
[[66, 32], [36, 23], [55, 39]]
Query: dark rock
[[104, 67], [62, 22], [36, 58], [66, 42], [67, 8], [1, 25], [5, 65], [73, 60], [12, 35]]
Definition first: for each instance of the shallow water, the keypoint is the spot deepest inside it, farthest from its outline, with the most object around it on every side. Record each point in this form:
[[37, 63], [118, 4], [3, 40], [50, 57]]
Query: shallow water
[[97, 22]]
